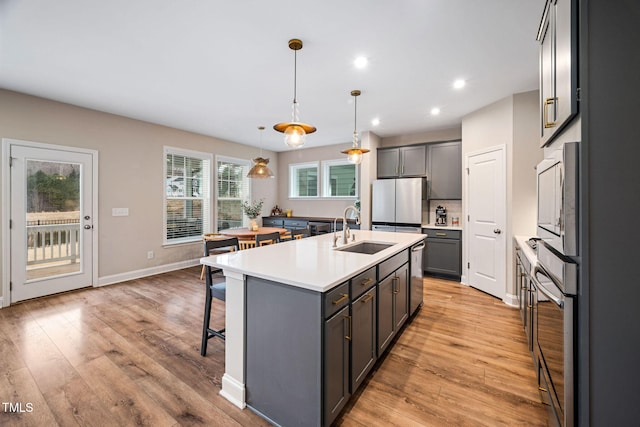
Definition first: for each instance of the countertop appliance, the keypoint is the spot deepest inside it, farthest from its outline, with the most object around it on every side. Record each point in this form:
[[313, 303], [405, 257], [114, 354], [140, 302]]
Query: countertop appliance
[[557, 199], [555, 283], [397, 204], [416, 287], [441, 216]]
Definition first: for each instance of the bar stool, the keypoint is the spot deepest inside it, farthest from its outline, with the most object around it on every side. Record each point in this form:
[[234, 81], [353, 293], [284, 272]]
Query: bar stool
[[217, 290]]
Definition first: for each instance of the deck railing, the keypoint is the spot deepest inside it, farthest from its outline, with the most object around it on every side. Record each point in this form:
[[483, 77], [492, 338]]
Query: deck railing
[[52, 243]]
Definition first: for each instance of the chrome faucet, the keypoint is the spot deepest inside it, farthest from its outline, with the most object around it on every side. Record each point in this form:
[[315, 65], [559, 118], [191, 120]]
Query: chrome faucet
[[335, 237], [346, 232]]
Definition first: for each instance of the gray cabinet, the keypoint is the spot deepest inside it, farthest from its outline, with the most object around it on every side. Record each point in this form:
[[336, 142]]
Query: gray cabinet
[[336, 363], [393, 306], [409, 161], [363, 336], [443, 254], [557, 36], [308, 352], [272, 222], [444, 176], [291, 224]]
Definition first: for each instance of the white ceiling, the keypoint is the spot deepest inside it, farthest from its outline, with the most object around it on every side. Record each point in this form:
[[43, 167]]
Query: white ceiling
[[223, 68]]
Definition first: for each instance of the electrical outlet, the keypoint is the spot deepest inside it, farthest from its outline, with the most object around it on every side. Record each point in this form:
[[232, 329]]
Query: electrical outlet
[[150, 255]]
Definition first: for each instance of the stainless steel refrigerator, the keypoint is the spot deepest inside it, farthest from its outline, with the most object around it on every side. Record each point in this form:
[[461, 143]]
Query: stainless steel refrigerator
[[397, 205]]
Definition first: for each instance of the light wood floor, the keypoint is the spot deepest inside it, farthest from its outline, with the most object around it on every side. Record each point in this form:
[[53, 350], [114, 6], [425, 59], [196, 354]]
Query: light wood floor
[[128, 354]]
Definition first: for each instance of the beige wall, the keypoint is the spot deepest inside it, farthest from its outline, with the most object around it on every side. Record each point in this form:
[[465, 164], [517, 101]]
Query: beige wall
[[512, 122], [130, 174], [450, 134], [318, 207]]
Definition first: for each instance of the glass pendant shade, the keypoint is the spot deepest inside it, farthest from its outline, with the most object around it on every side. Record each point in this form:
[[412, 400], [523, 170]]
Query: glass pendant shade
[[260, 169], [294, 131], [354, 154]]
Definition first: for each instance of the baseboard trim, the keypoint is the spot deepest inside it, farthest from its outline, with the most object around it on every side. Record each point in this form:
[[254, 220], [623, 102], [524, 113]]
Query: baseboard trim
[[137, 274], [511, 299]]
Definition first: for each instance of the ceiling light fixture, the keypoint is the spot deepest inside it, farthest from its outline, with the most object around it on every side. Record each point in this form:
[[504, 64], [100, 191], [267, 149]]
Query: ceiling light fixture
[[294, 131], [360, 62], [260, 168], [459, 84], [354, 154], [435, 111], [375, 122]]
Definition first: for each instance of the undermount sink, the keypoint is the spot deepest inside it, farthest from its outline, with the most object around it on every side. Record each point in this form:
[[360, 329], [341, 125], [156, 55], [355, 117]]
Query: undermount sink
[[366, 247]]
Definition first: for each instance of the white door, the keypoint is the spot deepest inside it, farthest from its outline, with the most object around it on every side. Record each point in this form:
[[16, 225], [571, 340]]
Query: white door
[[51, 234], [486, 209]]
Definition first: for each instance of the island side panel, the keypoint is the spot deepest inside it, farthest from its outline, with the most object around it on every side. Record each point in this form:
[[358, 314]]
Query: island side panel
[[284, 352]]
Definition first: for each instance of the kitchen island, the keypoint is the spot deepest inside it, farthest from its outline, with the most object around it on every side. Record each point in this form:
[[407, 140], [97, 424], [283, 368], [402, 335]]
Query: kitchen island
[[305, 322]]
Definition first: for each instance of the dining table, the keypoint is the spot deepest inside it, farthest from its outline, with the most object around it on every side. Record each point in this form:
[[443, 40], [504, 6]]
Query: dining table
[[245, 233]]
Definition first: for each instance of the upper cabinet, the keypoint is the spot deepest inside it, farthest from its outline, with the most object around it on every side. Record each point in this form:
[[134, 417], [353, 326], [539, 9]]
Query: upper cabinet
[[402, 161], [445, 171], [559, 90]]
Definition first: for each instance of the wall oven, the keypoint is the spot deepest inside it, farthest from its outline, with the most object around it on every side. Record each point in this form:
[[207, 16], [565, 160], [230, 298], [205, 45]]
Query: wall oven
[[555, 281], [557, 199]]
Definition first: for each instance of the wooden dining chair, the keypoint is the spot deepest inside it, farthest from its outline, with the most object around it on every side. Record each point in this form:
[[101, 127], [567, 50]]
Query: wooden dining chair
[[217, 290], [247, 244], [267, 238]]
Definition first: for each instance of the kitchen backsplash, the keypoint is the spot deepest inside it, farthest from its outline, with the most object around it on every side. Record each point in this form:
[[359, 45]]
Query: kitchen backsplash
[[453, 207]]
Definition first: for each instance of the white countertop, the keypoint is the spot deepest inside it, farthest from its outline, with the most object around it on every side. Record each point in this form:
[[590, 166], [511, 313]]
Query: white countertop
[[442, 227], [526, 250], [312, 263]]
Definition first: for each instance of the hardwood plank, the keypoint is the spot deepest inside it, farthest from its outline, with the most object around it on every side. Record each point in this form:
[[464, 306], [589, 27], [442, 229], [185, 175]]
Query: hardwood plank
[[129, 353]]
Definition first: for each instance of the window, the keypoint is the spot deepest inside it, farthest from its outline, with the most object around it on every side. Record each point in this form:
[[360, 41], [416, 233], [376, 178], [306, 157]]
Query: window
[[233, 189], [303, 180], [339, 179], [187, 195]]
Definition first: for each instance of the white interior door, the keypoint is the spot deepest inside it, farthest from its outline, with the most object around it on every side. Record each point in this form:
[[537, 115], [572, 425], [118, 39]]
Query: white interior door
[[486, 209], [51, 234]]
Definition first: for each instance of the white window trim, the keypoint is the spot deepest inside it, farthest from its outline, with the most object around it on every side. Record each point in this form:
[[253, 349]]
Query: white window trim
[[206, 225], [326, 185], [292, 176], [243, 162]]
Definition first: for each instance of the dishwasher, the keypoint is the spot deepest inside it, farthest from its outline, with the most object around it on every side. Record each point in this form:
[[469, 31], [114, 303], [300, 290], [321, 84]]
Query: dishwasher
[[416, 283]]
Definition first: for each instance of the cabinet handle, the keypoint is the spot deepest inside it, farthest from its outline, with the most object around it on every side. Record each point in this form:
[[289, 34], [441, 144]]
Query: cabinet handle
[[342, 298], [547, 102], [395, 285], [441, 234], [367, 282], [348, 337], [368, 298]]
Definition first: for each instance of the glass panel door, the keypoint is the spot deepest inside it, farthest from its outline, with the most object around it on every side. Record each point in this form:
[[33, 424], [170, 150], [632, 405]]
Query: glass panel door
[[51, 221]]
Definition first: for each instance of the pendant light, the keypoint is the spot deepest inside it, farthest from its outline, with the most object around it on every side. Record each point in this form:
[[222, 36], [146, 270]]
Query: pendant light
[[260, 168], [354, 154], [294, 131]]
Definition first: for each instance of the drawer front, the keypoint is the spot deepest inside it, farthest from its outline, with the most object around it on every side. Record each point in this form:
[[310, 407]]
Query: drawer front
[[272, 222], [392, 264], [443, 234], [295, 223], [335, 299], [362, 282]]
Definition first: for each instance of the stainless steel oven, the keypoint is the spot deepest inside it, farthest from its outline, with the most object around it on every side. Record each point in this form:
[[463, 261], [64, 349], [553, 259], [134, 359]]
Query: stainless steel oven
[[557, 199], [554, 278]]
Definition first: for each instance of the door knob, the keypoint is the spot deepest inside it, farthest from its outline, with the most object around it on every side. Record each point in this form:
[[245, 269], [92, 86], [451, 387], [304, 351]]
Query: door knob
[[497, 231], [87, 227]]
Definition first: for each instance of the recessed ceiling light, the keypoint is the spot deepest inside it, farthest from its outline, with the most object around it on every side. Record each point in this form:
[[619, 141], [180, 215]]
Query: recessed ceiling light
[[435, 111], [459, 84], [375, 122], [360, 62]]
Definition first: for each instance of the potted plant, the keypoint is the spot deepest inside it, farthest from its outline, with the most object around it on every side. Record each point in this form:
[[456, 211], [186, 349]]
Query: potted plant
[[252, 211]]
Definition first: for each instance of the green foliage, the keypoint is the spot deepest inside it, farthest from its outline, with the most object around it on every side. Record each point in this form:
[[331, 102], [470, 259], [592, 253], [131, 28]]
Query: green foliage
[[252, 210], [53, 192]]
